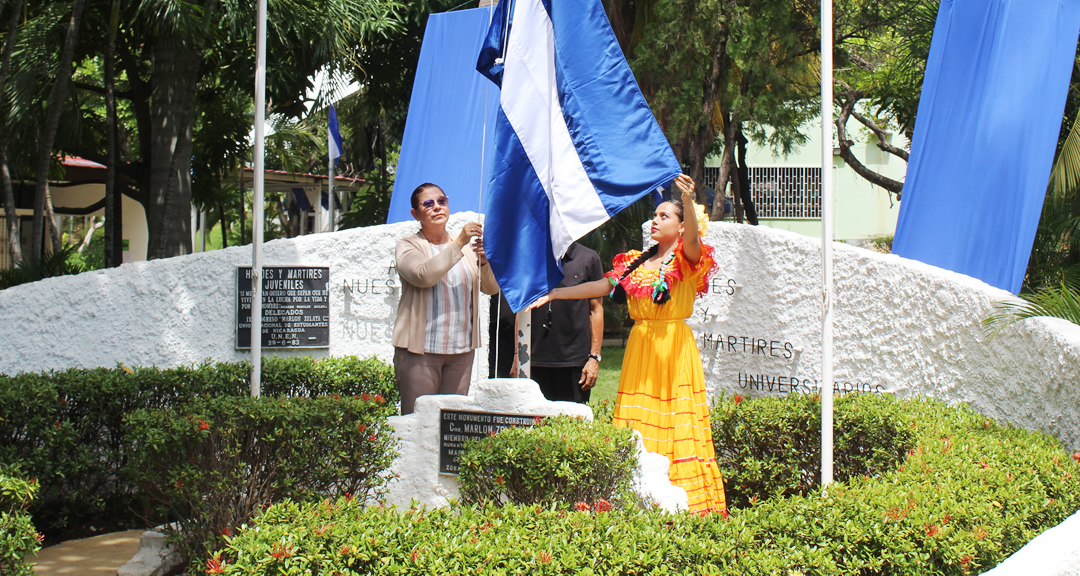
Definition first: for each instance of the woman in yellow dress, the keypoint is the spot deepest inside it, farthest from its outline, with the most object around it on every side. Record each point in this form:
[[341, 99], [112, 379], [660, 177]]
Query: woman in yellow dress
[[662, 385]]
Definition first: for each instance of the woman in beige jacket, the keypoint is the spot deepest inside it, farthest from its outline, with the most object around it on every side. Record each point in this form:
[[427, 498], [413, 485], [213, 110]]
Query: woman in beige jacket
[[435, 333]]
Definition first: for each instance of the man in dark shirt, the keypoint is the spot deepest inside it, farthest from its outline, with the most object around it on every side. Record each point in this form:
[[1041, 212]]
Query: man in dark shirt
[[566, 335]]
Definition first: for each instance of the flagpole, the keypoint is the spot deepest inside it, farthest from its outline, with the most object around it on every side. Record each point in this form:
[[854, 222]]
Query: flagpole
[[330, 195], [826, 244], [257, 223]]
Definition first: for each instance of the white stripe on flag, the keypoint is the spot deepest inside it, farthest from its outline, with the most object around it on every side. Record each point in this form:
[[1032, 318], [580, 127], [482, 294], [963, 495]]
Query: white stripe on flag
[[530, 100]]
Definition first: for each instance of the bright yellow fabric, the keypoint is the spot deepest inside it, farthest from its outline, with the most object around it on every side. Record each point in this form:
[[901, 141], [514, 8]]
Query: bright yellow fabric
[[662, 387]]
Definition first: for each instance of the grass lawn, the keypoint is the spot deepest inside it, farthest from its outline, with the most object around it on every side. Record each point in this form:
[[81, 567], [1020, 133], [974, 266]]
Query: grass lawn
[[607, 383]]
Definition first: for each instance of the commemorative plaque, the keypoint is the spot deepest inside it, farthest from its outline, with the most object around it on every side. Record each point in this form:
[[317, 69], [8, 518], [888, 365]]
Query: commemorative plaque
[[457, 426], [295, 307]]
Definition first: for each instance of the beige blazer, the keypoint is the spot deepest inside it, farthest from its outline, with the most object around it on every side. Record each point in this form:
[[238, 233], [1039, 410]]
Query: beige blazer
[[419, 272]]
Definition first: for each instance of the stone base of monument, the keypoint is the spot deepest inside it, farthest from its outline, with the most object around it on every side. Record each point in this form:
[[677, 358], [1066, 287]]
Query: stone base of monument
[[154, 558], [440, 423]]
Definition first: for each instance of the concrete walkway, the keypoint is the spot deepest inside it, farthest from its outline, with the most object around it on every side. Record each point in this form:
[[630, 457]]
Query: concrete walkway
[[98, 556]]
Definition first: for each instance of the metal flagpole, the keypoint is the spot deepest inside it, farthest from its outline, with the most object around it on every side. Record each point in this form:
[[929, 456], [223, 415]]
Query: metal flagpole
[[330, 188], [257, 217], [826, 244]]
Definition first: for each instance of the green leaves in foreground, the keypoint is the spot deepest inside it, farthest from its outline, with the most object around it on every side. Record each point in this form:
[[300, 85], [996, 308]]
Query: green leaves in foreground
[[1061, 301], [969, 493]]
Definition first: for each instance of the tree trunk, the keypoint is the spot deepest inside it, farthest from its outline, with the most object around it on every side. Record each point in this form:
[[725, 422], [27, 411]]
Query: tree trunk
[[174, 78], [727, 161], [11, 217], [744, 181], [847, 109], [114, 228], [224, 226], [52, 120]]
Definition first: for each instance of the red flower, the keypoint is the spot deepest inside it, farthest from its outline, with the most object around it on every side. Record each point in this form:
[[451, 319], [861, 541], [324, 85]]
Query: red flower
[[380, 398], [946, 519], [602, 506], [348, 496], [40, 537], [582, 507], [214, 565], [373, 437], [226, 531], [1076, 457], [500, 480], [415, 555], [345, 550], [179, 484], [724, 513], [738, 399], [322, 529], [932, 530], [335, 397], [537, 420], [491, 433], [361, 428], [365, 397], [545, 557], [203, 425], [282, 551]]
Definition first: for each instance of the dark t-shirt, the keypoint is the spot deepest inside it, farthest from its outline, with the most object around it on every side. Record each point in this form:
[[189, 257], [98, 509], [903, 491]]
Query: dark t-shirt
[[564, 341], [568, 339]]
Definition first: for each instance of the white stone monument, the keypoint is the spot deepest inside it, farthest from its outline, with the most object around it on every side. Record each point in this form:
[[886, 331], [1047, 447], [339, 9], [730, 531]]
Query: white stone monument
[[417, 468]]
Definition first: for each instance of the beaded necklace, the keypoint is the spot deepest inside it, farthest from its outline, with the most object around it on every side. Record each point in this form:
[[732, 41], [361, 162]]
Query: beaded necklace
[[660, 285]]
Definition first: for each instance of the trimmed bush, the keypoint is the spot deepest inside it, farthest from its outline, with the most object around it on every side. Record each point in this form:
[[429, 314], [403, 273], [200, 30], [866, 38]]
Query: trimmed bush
[[213, 463], [18, 539], [560, 460], [967, 495], [771, 447], [66, 428]]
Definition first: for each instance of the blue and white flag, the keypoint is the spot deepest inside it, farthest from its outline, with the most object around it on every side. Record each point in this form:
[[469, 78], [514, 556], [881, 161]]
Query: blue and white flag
[[333, 137], [575, 140]]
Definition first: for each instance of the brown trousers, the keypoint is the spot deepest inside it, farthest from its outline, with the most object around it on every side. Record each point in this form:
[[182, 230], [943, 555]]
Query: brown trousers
[[421, 374]]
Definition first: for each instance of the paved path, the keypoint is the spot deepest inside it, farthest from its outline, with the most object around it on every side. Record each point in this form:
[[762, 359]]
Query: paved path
[[98, 556]]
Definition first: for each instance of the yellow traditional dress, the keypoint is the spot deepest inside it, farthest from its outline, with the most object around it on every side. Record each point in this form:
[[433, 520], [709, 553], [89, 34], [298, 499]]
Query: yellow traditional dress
[[662, 386]]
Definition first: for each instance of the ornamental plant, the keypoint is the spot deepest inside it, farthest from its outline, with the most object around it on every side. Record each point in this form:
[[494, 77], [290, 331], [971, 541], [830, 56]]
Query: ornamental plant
[[968, 494], [561, 460], [212, 464], [18, 538], [771, 447], [67, 428]]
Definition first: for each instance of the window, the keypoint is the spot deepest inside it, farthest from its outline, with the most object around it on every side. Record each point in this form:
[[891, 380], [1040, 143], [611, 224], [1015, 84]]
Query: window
[[781, 191]]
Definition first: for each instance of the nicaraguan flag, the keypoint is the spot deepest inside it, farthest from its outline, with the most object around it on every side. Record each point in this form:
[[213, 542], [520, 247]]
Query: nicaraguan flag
[[575, 140], [333, 137]]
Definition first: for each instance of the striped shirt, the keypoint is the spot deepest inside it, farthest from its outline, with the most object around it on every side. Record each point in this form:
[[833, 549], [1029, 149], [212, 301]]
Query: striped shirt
[[449, 318]]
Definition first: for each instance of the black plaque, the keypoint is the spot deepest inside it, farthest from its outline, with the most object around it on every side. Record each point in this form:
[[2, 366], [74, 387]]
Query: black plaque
[[457, 426], [295, 309]]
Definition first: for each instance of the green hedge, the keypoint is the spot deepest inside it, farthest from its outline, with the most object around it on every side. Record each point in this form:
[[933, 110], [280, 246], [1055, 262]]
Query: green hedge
[[562, 459], [211, 464], [18, 539], [870, 437], [967, 495], [67, 428]]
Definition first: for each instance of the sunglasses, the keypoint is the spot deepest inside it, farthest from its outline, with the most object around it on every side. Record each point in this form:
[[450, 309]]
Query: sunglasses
[[430, 204]]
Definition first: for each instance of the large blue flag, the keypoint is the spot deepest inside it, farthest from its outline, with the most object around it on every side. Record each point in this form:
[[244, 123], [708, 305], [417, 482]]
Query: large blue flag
[[996, 82], [575, 140]]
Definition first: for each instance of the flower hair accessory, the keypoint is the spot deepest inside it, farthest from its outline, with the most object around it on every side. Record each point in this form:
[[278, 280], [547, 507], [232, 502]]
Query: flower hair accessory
[[702, 219]]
